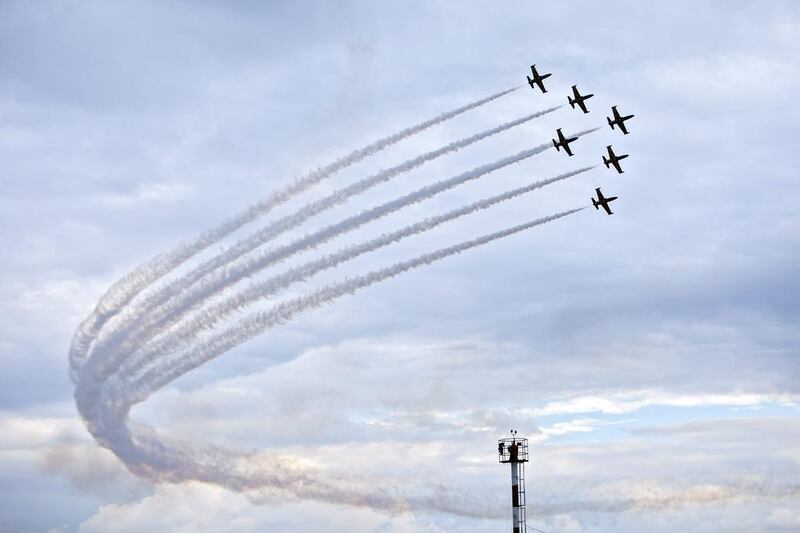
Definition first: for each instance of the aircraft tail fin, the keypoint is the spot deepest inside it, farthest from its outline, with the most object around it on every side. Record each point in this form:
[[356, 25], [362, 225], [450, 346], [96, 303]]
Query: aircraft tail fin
[[558, 148], [606, 161], [571, 101], [610, 122], [595, 204]]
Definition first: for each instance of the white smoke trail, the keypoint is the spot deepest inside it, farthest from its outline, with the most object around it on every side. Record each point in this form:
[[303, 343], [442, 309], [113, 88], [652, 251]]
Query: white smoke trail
[[161, 319], [111, 411], [629, 497], [124, 290], [164, 317], [255, 474], [655, 497], [336, 198], [211, 316], [257, 323], [133, 315], [263, 475]]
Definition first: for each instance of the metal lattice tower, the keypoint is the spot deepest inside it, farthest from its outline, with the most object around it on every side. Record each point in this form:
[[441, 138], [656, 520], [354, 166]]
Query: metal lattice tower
[[514, 451]]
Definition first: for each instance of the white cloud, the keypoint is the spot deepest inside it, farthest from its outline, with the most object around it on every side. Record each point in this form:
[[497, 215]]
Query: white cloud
[[204, 508], [583, 425], [633, 400], [566, 524], [149, 192], [18, 432], [725, 79], [784, 519]]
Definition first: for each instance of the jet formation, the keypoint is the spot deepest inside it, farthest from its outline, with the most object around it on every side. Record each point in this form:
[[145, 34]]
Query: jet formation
[[536, 80]]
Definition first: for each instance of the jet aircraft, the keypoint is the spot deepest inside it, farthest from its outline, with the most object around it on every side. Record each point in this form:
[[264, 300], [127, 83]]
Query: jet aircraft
[[563, 142], [619, 120], [603, 201], [579, 99], [537, 79], [613, 159]]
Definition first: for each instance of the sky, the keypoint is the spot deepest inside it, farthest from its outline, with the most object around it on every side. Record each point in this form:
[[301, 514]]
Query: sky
[[650, 357]]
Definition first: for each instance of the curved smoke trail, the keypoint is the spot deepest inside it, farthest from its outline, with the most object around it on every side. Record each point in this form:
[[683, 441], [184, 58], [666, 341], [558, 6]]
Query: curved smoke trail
[[119, 332], [183, 303], [124, 290], [105, 409]]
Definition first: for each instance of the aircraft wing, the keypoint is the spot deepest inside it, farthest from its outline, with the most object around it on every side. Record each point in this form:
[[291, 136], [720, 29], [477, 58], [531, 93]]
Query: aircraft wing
[[621, 125], [541, 85], [567, 148], [615, 162], [607, 208], [582, 105]]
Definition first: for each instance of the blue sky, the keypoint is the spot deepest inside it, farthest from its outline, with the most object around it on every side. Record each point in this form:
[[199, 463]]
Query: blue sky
[[651, 357]]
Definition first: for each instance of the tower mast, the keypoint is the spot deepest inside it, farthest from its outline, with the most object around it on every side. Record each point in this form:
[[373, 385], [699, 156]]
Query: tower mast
[[514, 451]]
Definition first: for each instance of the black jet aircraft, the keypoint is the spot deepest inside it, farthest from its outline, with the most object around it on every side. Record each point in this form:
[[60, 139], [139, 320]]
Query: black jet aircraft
[[603, 201], [578, 99], [614, 159], [619, 120], [537, 79], [563, 142]]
